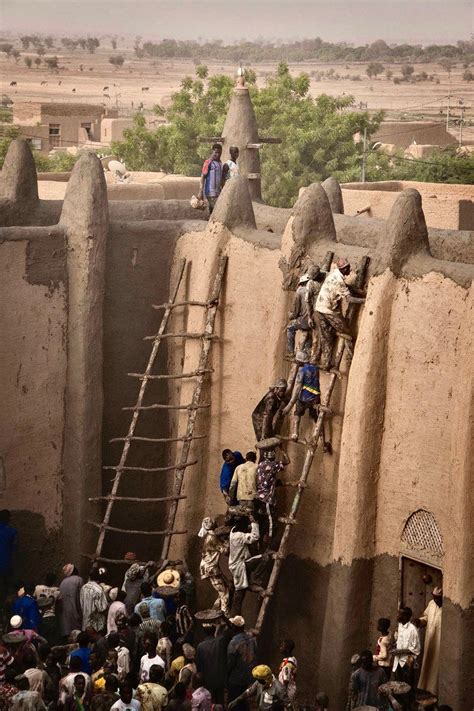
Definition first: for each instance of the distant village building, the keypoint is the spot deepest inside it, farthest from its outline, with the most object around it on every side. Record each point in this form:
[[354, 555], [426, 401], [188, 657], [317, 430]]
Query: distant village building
[[48, 125]]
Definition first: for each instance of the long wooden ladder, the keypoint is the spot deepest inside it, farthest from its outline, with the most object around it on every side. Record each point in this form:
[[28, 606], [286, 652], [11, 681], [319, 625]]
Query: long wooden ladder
[[182, 462], [310, 447]]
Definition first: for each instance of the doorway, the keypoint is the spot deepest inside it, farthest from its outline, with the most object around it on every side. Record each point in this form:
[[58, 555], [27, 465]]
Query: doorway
[[418, 580]]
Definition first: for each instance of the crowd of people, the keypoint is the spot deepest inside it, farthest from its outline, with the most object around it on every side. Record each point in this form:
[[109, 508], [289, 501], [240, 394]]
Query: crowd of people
[[86, 645]]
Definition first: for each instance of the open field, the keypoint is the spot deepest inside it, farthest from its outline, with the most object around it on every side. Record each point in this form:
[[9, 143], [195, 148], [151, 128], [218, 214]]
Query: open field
[[90, 78]]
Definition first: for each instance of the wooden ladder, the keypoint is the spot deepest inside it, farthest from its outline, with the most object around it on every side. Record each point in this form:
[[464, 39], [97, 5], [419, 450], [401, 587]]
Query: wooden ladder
[[182, 462], [310, 447]]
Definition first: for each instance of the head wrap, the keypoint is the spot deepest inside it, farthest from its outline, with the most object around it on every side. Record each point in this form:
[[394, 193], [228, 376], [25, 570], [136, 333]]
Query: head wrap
[[206, 526], [68, 569], [113, 594], [437, 591], [262, 672], [342, 262], [188, 651], [237, 621]]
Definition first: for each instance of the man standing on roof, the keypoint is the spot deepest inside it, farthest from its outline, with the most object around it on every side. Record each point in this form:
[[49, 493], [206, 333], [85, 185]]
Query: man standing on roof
[[331, 322], [298, 317], [211, 177], [307, 397], [267, 416], [230, 168]]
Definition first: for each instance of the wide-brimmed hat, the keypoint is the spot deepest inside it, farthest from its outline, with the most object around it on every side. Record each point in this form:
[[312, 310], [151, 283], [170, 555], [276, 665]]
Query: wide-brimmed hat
[[237, 621], [16, 622], [166, 590], [168, 578]]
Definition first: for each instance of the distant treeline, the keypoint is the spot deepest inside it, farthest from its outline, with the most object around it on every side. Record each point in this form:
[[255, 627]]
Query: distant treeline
[[308, 49]]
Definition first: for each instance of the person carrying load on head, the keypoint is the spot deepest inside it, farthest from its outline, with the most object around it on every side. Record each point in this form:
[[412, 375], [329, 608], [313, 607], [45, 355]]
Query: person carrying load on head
[[331, 322], [298, 318], [267, 416], [269, 693], [306, 397]]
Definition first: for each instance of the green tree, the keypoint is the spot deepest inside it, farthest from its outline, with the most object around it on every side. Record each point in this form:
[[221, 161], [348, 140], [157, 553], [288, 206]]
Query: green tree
[[114, 43], [117, 60], [37, 61], [202, 71], [16, 55], [51, 62], [7, 136], [40, 51], [6, 47], [317, 134], [25, 41], [28, 61], [468, 75], [374, 69], [49, 42]]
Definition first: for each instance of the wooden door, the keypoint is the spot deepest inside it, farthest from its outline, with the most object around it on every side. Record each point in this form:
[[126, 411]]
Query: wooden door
[[418, 581]]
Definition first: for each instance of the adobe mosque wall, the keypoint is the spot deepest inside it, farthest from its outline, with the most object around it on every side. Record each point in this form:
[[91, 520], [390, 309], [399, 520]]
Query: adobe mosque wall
[[77, 292]]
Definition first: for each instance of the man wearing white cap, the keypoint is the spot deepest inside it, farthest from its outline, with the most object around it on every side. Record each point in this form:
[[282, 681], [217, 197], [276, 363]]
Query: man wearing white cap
[[431, 619], [329, 313], [298, 317]]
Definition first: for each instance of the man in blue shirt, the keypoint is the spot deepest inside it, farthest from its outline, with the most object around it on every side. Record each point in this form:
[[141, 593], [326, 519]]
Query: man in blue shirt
[[156, 605], [27, 607], [231, 462], [306, 397], [84, 652]]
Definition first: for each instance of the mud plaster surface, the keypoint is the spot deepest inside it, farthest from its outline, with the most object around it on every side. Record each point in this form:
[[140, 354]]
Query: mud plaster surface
[[33, 372]]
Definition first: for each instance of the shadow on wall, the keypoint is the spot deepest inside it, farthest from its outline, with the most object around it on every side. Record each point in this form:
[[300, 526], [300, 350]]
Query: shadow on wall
[[44, 547]]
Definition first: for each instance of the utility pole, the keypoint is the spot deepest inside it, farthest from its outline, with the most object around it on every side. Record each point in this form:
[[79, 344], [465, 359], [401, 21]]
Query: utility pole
[[447, 112], [364, 150]]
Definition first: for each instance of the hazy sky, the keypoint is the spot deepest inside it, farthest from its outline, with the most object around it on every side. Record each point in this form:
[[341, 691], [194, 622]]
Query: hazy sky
[[356, 21]]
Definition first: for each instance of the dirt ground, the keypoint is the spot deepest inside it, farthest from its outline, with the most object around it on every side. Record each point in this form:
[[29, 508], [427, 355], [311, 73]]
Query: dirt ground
[[125, 86]]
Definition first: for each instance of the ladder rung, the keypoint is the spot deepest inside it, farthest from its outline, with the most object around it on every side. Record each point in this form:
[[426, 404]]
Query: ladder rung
[[205, 336], [160, 406], [287, 520], [118, 561], [169, 305], [195, 374], [109, 497], [152, 469], [157, 439], [105, 527]]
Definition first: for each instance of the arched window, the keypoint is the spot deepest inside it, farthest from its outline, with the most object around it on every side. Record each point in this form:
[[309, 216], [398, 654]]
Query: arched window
[[421, 533]]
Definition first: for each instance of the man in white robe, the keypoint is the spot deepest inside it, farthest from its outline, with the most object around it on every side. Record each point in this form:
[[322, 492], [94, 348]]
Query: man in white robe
[[431, 619]]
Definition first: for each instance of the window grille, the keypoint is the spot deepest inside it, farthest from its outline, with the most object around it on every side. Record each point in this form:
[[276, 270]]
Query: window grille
[[421, 532]]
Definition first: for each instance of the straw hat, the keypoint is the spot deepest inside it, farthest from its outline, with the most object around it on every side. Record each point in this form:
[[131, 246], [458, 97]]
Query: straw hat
[[168, 578]]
